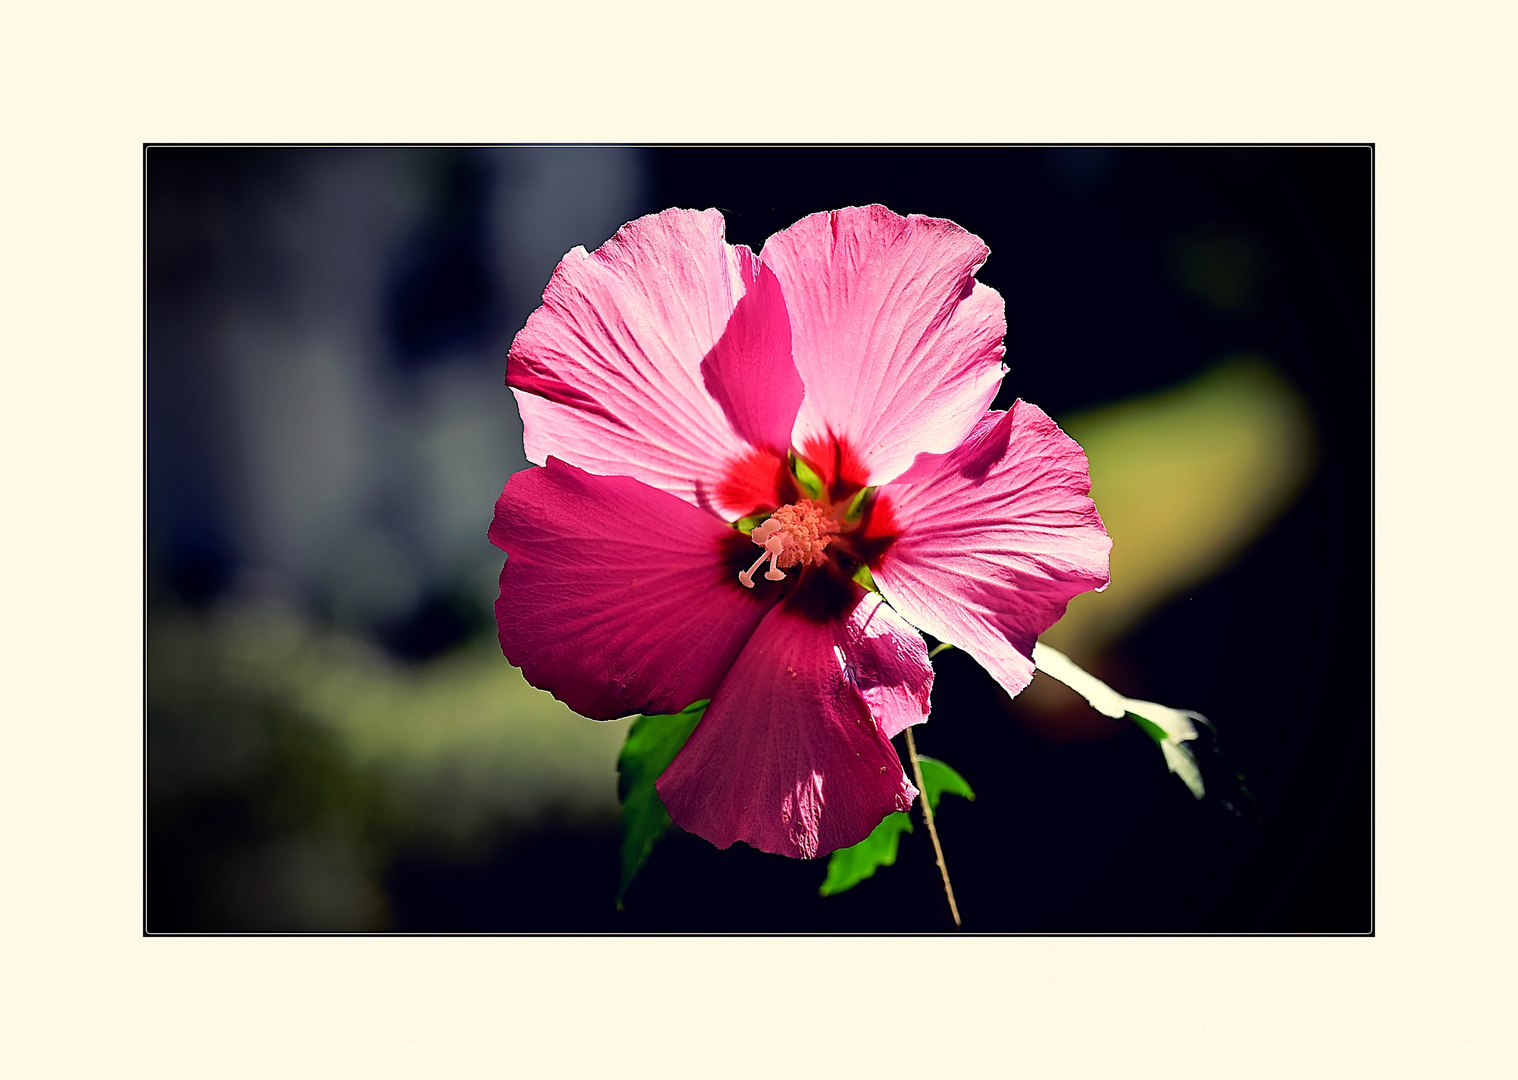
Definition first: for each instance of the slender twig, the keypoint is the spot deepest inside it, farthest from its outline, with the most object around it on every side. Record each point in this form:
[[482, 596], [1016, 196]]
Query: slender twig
[[927, 816]]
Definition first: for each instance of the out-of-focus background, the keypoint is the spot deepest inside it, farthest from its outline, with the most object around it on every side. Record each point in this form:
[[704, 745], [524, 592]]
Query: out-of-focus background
[[334, 742]]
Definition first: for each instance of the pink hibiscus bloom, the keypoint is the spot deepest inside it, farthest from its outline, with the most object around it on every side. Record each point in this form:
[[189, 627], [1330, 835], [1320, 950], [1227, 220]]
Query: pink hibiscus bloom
[[666, 384]]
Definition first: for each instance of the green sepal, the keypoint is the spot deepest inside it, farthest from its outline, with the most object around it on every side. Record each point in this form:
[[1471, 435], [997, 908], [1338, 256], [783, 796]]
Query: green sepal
[[652, 743], [856, 505], [849, 866], [746, 525], [1153, 730], [807, 478], [863, 576]]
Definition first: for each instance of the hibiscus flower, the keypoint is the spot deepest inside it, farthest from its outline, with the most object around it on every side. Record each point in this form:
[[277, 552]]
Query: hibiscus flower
[[827, 401]]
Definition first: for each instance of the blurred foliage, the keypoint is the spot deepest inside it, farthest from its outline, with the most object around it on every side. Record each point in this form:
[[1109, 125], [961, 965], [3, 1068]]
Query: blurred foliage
[[1184, 479], [1219, 266], [288, 765]]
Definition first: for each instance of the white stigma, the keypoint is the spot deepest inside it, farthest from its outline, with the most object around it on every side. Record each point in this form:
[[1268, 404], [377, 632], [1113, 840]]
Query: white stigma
[[796, 534], [768, 537]]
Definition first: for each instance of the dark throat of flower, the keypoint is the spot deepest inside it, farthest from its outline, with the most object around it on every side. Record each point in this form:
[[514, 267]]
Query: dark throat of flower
[[828, 538]]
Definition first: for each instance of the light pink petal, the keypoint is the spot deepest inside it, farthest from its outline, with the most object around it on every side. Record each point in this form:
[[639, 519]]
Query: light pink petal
[[615, 372], [788, 758], [992, 541], [616, 597], [898, 347]]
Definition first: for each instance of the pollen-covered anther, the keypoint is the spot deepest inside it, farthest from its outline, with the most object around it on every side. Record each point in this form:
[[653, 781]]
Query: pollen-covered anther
[[795, 535]]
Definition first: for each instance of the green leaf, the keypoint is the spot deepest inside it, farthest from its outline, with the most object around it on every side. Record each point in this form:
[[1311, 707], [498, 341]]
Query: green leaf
[[849, 866], [748, 524], [865, 578], [652, 743], [1166, 726], [940, 779], [807, 478], [1178, 758], [1182, 762]]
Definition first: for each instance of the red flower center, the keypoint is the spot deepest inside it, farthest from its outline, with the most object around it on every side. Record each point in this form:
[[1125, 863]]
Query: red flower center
[[797, 534]]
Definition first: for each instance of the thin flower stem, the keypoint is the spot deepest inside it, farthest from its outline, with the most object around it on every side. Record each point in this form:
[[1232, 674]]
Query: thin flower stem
[[927, 816]]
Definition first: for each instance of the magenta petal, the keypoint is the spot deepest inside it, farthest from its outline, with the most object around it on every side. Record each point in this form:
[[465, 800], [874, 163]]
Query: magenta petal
[[993, 539], [608, 372], [616, 597], [788, 758], [898, 346], [888, 662]]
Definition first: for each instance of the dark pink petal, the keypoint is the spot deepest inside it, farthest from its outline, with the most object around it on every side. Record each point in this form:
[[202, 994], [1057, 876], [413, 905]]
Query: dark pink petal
[[889, 664], [898, 347], [993, 539], [788, 757], [616, 372], [616, 597]]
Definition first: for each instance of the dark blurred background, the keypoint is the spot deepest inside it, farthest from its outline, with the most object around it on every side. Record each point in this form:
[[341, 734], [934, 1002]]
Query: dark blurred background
[[333, 741]]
